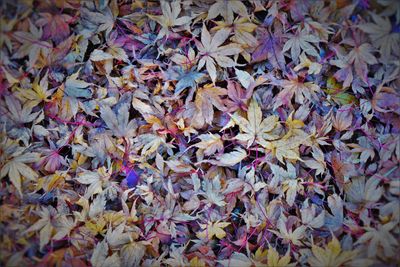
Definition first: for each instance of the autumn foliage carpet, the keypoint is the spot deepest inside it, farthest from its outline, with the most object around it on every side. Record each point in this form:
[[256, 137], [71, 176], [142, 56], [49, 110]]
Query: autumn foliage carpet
[[199, 133]]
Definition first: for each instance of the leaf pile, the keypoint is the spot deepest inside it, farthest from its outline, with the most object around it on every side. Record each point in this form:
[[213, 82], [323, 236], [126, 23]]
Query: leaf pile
[[200, 133]]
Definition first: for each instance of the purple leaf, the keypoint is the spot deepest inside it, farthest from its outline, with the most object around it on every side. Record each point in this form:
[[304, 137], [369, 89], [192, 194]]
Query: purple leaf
[[269, 48]]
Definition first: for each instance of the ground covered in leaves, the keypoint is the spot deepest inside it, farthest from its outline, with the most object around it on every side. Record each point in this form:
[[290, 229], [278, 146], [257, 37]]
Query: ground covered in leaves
[[199, 133]]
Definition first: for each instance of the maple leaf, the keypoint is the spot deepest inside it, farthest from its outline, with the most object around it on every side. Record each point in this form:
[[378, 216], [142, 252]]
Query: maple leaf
[[177, 257], [295, 87], [392, 146], [379, 240], [382, 35], [270, 47], [335, 221], [391, 8], [188, 61], [149, 143], [360, 57], [322, 29], [19, 114], [55, 26], [250, 181], [57, 56], [313, 67], [209, 144], [32, 45], [140, 120], [196, 262], [211, 51], [331, 255], [291, 184], [187, 79], [242, 30], [294, 128], [248, 82], [207, 97], [100, 254], [73, 89], [288, 235], [97, 206], [212, 192], [186, 129], [169, 18], [237, 259], [255, 128], [291, 187], [274, 259], [95, 180], [116, 237], [343, 119], [132, 253], [44, 224], [226, 10], [301, 41], [309, 218], [317, 163], [345, 71], [212, 229], [385, 99], [285, 148], [119, 125], [16, 166], [96, 22], [52, 160], [55, 258], [271, 257], [51, 225], [231, 158], [39, 92], [342, 169], [279, 175], [360, 191], [237, 97], [104, 59], [63, 226], [6, 27], [179, 166]]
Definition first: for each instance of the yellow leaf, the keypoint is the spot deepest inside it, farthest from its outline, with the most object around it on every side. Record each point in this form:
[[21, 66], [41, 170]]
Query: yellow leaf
[[271, 258], [97, 226], [332, 255], [210, 143], [284, 149], [293, 127], [334, 246], [275, 260], [17, 167], [207, 98], [242, 29], [313, 67], [212, 229], [196, 262], [260, 254], [54, 180], [254, 127]]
